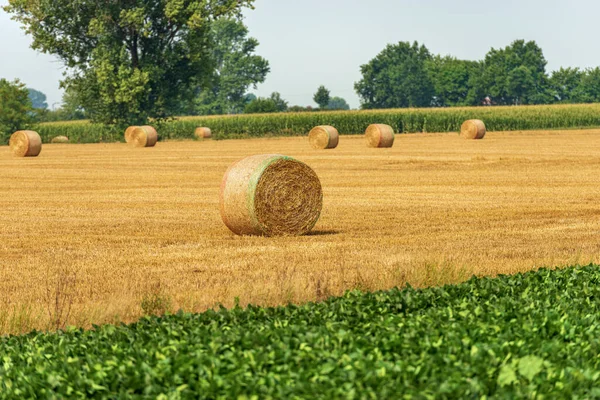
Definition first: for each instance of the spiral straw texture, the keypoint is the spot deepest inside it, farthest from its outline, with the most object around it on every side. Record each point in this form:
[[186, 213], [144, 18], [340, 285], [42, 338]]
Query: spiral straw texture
[[203, 133], [270, 195], [142, 136], [379, 135], [25, 143], [129, 133], [473, 129], [323, 137], [60, 139]]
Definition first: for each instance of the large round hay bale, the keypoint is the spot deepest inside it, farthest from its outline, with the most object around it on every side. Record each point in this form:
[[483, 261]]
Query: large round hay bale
[[25, 144], [473, 129], [60, 139], [143, 136], [203, 133], [323, 137], [129, 133], [379, 135], [270, 195]]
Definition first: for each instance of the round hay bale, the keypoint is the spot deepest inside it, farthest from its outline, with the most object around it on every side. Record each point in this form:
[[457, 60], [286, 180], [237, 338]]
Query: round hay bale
[[203, 133], [129, 132], [379, 135], [473, 129], [270, 195], [60, 139], [143, 136], [25, 144], [323, 137]]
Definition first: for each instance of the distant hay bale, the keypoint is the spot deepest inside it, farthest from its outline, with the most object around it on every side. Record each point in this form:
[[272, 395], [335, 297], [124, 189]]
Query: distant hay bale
[[60, 139], [143, 136], [270, 195], [323, 137], [129, 132], [25, 144], [203, 133], [379, 135], [472, 129]]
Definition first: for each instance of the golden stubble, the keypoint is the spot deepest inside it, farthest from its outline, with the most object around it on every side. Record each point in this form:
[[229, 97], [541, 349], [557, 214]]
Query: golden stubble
[[115, 223]]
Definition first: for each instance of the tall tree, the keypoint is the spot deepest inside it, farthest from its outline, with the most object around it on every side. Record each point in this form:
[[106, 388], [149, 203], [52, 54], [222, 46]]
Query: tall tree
[[516, 74], [322, 97], [338, 103], [456, 82], [396, 77], [566, 84], [129, 60], [237, 68], [38, 99], [266, 105], [15, 108], [589, 88]]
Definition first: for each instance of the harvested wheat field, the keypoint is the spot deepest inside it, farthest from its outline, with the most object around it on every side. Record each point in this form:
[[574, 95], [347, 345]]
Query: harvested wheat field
[[117, 232]]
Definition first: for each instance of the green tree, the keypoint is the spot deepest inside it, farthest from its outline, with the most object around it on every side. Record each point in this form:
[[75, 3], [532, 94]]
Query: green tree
[[517, 74], [322, 97], [130, 60], [237, 69], [38, 99], [266, 105], [396, 77], [337, 103], [15, 108], [566, 85], [456, 82], [589, 88]]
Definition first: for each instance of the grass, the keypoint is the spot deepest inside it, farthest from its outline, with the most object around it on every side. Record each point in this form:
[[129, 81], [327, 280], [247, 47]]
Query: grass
[[432, 210]]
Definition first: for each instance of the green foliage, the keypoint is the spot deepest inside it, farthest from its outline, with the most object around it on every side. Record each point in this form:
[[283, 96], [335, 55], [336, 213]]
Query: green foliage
[[15, 108], [38, 99], [128, 61], [337, 103], [263, 105], [533, 335], [456, 82], [396, 77], [322, 97]]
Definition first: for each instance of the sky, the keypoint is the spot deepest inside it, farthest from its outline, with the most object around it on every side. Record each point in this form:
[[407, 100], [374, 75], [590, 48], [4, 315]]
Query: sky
[[324, 42]]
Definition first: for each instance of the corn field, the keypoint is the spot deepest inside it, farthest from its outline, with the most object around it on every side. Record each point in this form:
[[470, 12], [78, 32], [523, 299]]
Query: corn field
[[347, 122]]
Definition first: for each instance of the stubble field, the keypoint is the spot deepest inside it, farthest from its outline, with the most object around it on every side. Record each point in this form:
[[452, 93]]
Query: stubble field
[[107, 229]]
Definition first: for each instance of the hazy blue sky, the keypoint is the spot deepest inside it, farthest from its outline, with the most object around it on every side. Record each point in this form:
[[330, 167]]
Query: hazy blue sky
[[323, 42]]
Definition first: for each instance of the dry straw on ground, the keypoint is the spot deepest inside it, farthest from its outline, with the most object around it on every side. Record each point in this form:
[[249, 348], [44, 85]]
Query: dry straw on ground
[[473, 129], [142, 136], [203, 133], [26, 144], [323, 137], [60, 139], [379, 135], [270, 195]]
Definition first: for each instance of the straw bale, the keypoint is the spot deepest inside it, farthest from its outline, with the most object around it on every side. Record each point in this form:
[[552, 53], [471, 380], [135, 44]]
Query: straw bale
[[203, 133], [379, 135], [143, 136], [472, 129], [60, 139], [26, 143], [323, 137]]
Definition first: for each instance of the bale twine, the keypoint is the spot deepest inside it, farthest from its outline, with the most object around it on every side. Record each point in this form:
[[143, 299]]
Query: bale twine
[[379, 135], [472, 129], [203, 133], [142, 136], [60, 139], [323, 137], [25, 144], [270, 195]]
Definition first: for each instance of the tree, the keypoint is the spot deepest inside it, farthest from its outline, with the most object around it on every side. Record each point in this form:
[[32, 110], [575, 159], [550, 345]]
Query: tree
[[589, 87], [237, 68], [38, 99], [266, 105], [396, 77], [131, 60], [566, 84], [517, 74], [337, 103], [15, 108], [456, 82], [321, 97]]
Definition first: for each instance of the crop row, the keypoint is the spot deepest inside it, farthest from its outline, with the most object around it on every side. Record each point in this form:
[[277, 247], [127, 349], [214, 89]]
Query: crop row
[[349, 122], [523, 336]]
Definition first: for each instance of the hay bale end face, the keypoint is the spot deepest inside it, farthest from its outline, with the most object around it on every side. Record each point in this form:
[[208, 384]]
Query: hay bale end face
[[143, 136], [379, 135], [473, 129], [270, 195], [323, 137], [60, 139], [203, 133], [25, 144], [129, 133]]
